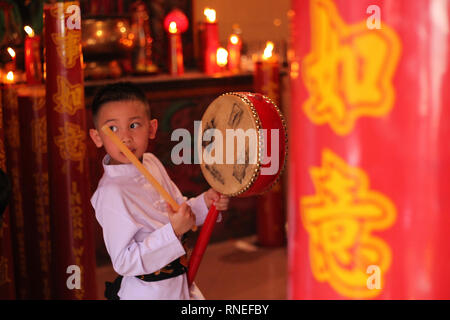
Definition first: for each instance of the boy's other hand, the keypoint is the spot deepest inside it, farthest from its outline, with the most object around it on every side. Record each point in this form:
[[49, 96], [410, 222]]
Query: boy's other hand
[[183, 220], [219, 200]]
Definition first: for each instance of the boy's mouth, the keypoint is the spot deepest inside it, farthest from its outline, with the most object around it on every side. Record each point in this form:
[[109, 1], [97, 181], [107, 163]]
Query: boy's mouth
[[131, 149]]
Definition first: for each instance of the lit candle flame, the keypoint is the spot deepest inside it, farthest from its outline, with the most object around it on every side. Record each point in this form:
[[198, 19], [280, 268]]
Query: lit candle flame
[[11, 52], [222, 57], [10, 77], [268, 51], [29, 31], [173, 27], [234, 39], [210, 15]]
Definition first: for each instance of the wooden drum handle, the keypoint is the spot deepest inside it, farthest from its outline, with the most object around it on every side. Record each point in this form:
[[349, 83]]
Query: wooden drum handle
[[130, 156], [202, 242]]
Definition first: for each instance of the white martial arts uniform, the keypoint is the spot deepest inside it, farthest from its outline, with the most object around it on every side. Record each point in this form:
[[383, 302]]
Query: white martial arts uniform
[[136, 229]]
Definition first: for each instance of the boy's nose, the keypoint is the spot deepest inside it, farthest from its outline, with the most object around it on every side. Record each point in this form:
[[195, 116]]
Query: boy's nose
[[126, 138]]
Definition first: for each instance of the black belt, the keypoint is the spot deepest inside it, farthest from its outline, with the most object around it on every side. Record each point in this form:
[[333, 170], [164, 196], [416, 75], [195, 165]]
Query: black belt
[[173, 269]]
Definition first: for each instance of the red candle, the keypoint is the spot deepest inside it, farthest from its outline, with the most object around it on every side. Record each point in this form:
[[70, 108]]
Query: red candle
[[32, 57], [222, 59], [267, 74], [210, 42], [175, 24], [234, 53], [11, 64], [13, 155], [7, 289], [271, 216], [176, 66]]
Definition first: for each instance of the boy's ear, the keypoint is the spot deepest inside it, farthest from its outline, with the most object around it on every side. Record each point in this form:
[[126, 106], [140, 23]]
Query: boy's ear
[[96, 137], [153, 127]]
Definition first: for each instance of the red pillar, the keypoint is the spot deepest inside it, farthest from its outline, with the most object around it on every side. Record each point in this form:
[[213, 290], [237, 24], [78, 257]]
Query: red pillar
[[7, 287], [34, 165], [16, 208], [71, 216], [369, 155]]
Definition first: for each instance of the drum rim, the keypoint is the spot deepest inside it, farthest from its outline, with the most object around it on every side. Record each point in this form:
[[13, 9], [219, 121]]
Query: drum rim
[[286, 143], [243, 96]]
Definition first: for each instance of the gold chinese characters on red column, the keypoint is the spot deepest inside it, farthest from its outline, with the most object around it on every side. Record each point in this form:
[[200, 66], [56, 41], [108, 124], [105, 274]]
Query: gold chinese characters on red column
[[345, 80], [349, 70], [368, 168], [70, 208], [340, 219]]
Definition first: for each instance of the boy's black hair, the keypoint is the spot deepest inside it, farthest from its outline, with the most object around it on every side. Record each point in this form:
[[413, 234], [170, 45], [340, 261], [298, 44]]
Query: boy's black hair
[[119, 91], [5, 192]]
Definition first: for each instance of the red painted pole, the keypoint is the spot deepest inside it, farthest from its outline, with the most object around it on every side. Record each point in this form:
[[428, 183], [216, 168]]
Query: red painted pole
[[202, 243]]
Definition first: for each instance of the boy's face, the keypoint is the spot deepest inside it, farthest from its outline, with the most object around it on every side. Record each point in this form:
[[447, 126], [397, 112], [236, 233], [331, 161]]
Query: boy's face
[[130, 122]]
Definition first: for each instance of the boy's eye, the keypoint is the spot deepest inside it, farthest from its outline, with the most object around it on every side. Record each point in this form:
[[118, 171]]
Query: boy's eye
[[134, 125], [113, 128]]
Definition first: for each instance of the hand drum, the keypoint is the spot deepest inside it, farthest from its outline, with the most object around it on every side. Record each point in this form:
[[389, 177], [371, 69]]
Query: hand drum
[[242, 150]]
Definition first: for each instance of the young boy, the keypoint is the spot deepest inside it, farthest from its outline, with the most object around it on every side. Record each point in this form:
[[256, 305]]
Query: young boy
[[141, 232]]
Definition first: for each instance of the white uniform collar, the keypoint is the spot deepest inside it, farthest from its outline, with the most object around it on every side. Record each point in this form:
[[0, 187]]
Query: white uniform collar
[[116, 170]]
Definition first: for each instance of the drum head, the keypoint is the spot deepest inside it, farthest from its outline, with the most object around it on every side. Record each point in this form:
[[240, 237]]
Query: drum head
[[228, 144]]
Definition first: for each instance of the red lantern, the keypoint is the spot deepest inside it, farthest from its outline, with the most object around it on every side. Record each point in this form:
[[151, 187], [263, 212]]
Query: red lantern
[[179, 18]]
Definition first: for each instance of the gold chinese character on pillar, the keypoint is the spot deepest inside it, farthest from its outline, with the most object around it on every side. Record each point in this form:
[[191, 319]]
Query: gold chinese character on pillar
[[349, 71], [71, 143], [340, 219]]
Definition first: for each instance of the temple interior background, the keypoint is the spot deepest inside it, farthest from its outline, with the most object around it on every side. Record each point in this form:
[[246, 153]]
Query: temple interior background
[[360, 209]]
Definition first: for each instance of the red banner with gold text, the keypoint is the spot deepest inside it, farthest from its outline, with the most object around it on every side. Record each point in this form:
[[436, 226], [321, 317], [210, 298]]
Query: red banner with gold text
[[369, 152]]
